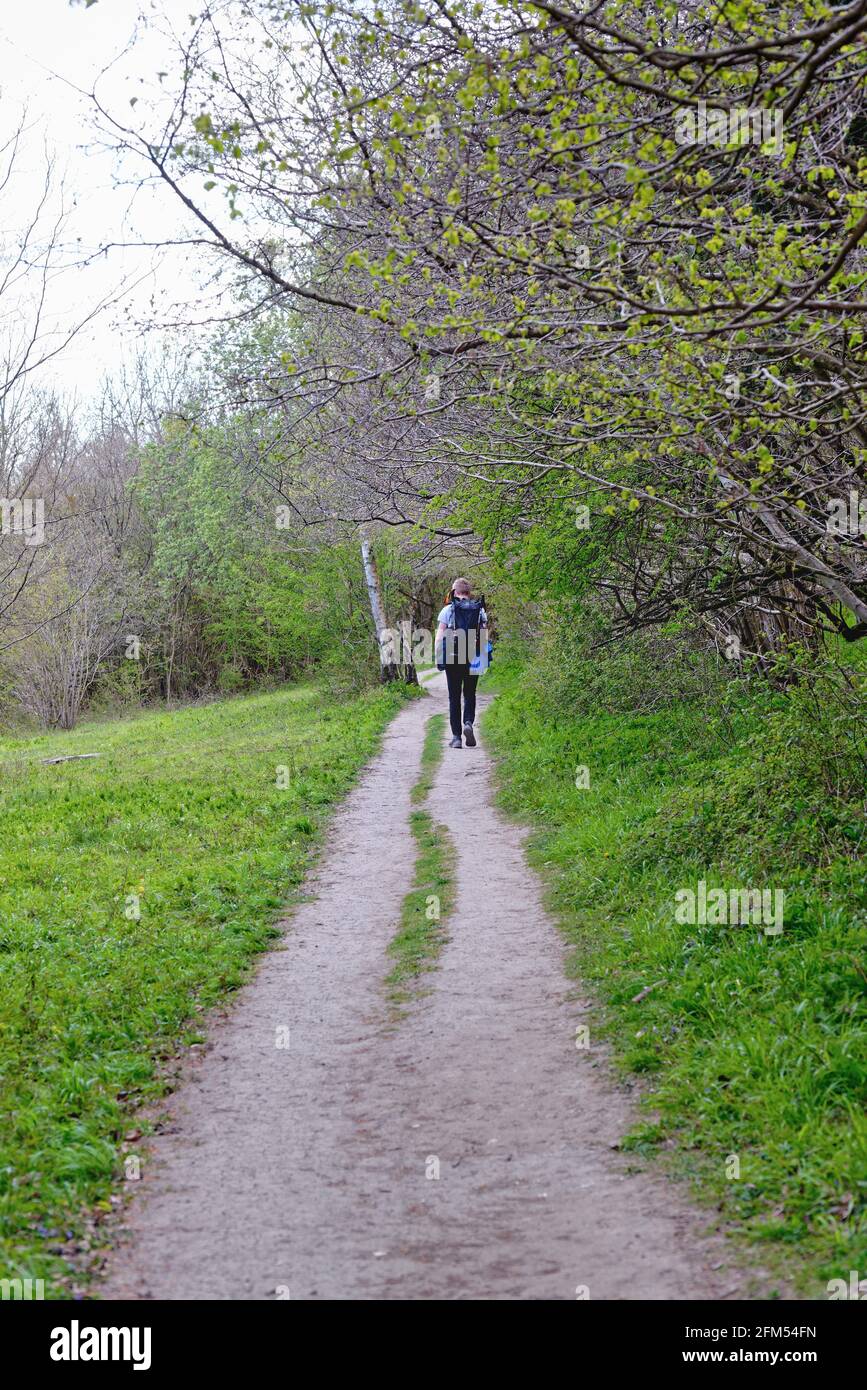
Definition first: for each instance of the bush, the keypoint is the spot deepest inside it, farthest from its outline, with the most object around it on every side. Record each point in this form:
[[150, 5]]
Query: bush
[[645, 671]]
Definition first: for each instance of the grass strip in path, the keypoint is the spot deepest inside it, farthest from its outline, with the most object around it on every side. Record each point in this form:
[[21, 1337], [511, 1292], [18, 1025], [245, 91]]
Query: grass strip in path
[[421, 934]]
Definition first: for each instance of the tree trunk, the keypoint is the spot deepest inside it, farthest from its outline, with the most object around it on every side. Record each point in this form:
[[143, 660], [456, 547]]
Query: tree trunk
[[389, 670]]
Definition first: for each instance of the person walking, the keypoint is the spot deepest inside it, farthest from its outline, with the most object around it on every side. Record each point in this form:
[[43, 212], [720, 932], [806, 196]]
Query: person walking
[[462, 651]]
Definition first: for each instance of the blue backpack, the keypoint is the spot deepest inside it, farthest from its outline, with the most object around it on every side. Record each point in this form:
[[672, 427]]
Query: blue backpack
[[461, 642]]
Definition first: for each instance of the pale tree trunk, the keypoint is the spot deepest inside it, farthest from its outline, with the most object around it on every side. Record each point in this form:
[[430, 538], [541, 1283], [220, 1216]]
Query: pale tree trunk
[[388, 666]]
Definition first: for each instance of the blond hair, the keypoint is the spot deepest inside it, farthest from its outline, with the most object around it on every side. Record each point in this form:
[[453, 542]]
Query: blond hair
[[462, 588]]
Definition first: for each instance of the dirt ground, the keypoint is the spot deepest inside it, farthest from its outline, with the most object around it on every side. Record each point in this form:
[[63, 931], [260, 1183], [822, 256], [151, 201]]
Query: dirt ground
[[464, 1153]]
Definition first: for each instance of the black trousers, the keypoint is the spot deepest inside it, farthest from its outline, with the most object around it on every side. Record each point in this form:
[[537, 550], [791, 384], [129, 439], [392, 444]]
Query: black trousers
[[461, 681]]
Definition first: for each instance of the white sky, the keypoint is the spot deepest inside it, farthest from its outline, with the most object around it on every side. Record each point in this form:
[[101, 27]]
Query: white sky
[[46, 45]]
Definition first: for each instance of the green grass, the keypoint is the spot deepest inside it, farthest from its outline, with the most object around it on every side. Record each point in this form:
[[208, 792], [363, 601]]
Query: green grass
[[748, 1045], [431, 757], [421, 934], [182, 810]]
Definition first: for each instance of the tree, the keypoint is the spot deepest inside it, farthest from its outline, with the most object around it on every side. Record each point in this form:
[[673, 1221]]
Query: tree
[[626, 244]]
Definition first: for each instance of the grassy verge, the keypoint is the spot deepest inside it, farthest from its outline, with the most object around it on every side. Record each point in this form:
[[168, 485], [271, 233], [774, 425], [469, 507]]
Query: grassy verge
[[753, 1048], [421, 934], [135, 889]]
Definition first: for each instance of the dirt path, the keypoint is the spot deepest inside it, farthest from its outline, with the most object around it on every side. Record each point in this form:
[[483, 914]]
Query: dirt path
[[306, 1169]]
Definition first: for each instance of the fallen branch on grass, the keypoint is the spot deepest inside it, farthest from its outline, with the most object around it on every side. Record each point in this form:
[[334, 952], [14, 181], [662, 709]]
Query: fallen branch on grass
[[643, 993], [71, 758]]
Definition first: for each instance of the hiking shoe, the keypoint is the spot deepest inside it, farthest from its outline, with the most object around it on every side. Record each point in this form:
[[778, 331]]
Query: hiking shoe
[[456, 743], [469, 736]]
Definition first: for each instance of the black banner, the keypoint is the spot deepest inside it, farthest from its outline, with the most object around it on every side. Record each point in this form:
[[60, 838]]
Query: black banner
[[149, 1338]]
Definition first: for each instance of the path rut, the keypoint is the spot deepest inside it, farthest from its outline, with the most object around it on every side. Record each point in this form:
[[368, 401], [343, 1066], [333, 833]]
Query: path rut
[[306, 1172]]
